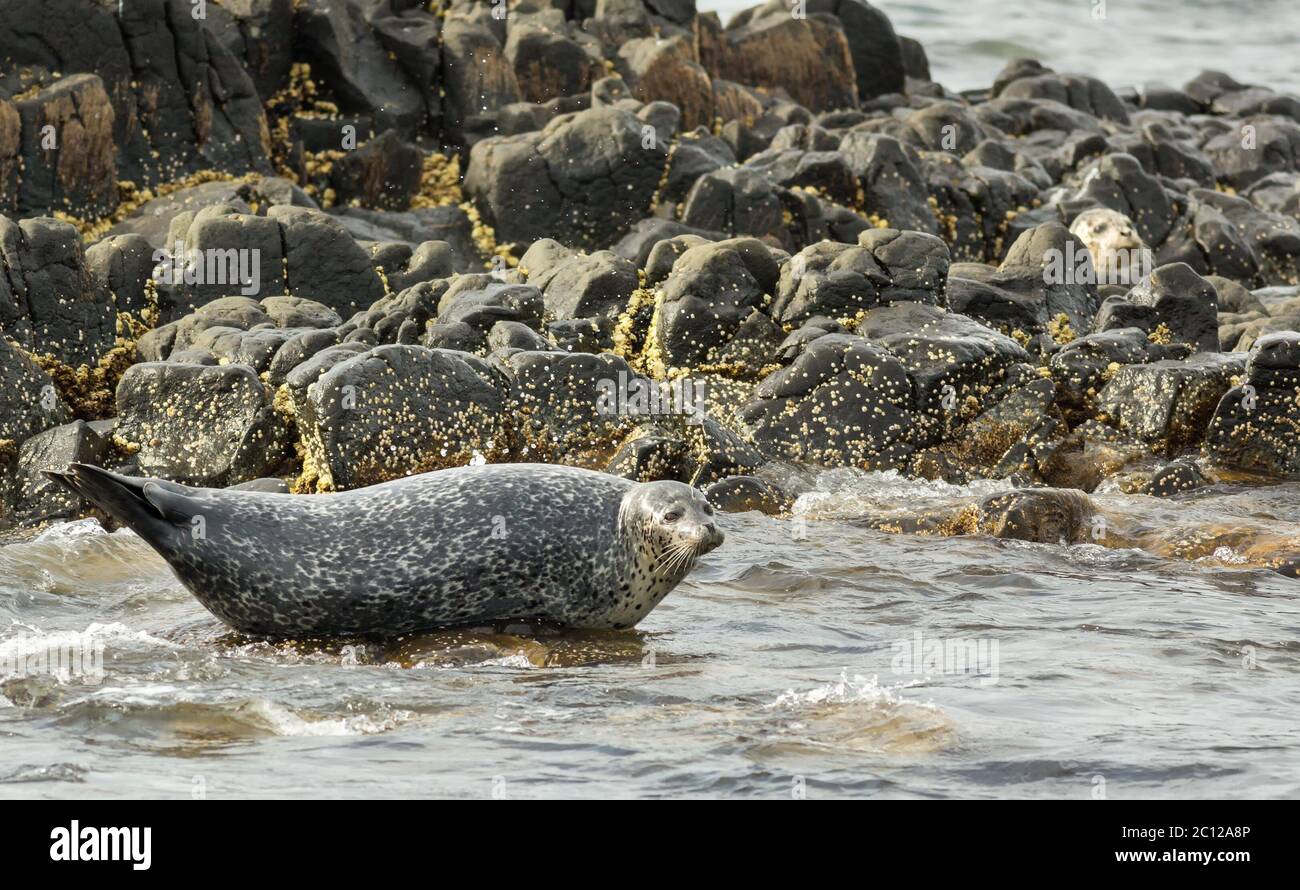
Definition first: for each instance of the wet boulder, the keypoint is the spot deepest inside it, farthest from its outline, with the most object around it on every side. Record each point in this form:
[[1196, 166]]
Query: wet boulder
[[583, 180], [809, 57], [1175, 478], [1082, 367], [400, 317], [1041, 515], [323, 262], [1045, 284], [1184, 303], [29, 402], [1209, 243], [296, 312], [1008, 437], [573, 408], [37, 498], [205, 425], [396, 410], [49, 301], [710, 293], [841, 280], [1168, 404], [843, 401], [741, 494], [950, 358], [1256, 426], [384, 173]]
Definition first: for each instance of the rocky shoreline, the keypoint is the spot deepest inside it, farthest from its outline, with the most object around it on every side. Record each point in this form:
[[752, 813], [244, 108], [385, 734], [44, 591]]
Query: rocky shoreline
[[315, 245]]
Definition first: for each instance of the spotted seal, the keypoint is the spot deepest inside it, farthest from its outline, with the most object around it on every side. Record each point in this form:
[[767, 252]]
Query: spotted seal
[[458, 546]]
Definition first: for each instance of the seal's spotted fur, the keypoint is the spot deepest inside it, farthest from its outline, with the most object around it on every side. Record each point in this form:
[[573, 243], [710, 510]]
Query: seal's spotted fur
[[472, 544]]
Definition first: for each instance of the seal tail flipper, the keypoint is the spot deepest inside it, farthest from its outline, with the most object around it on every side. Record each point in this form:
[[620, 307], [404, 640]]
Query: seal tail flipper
[[142, 504]]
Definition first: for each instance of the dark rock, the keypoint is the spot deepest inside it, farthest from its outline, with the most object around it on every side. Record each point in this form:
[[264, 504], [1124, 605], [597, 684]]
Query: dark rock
[[347, 56], [1118, 181], [209, 426], [809, 57], [582, 180], [1041, 515], [68, 158], [1087, 94], [512, 335], [37, 498], [296, 350], [1255, 427], [842, 402], [1169, 403], [384, 173], [568, 406], [740, 494], [324, 263], [638, 243], [876, 50], [123, 266], [398, 410], [1184, 302], [711, 290], [49, 301], [584, 286], [1175, 478], [950, 358], [180, 100], [666, 70]]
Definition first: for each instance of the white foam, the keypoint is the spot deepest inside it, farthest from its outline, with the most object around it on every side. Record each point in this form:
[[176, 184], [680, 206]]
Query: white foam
[[284, 722], [857, 689], [76, 530], [36, 640], [847, 493]]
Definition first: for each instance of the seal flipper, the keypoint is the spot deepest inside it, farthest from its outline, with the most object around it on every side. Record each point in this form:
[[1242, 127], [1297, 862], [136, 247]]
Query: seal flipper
[[145, 505]]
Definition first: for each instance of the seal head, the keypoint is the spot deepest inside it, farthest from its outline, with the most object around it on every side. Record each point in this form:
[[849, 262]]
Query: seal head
[[665, 528]]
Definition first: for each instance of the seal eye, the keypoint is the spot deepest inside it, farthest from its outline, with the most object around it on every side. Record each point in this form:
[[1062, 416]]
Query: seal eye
[[673, 515]]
